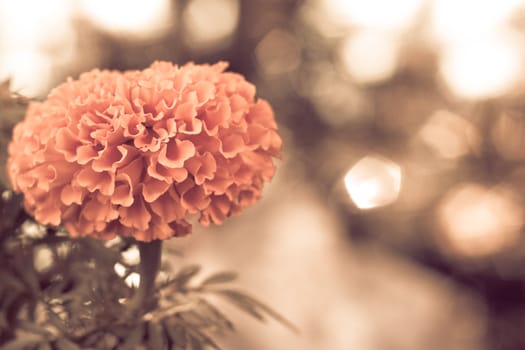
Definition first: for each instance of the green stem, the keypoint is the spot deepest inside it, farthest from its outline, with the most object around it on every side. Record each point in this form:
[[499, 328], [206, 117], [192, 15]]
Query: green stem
[[150, 254]]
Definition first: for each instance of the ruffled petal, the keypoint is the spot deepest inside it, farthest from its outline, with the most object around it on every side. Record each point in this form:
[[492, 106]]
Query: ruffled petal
[[136, 216], [175, 153]]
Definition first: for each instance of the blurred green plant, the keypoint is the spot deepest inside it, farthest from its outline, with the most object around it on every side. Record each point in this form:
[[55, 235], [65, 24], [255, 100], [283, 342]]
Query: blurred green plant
[[12, 109]]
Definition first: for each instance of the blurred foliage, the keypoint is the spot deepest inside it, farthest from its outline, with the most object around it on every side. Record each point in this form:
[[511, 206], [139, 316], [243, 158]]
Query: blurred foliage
[[12, 108], [78, 301]]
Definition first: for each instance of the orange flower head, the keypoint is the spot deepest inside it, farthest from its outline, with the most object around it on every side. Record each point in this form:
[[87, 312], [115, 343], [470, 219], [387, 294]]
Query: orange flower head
[[137, 153]]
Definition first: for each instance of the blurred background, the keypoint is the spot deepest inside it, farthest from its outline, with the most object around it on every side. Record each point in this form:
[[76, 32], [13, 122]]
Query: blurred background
[[396, 217]]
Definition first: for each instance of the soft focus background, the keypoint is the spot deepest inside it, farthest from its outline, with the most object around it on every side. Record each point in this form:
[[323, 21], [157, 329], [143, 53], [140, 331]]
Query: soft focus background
[[396, 217]]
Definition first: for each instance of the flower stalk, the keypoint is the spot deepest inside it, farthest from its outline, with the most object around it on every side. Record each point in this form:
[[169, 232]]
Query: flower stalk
[[150, 256]]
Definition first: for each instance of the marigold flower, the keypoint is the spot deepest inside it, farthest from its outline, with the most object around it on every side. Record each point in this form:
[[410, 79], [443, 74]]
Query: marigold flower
[[137, 153]]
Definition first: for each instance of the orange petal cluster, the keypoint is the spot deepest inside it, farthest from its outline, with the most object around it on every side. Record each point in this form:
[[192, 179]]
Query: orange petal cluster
[[138, 153]]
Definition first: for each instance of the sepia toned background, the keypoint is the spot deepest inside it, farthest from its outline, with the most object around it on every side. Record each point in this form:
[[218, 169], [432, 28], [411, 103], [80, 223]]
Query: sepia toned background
[[396, 217]]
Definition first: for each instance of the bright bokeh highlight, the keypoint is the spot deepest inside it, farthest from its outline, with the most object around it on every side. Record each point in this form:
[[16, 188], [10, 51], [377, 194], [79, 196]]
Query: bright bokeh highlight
[[210, 22], [137, 18], [508, 136], [483, 68], [478, 221], [372, 13], [449, 135], [278, 53], [370, 56], [34, 36], [29, 71], [457, 21], [373, 182]]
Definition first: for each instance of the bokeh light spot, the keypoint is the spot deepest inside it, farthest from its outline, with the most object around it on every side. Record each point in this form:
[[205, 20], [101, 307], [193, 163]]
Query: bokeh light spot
[[43, 258], [210, 22], [131, 256], [34, 37], [372, 13], [278, 53], [479, 221], [453, 21], [484, 68], [141, 19], [450, 135], [119, 269], [29, 71], [370, 56], [32, 22], [508, 136], [373, 182], [133, 280]]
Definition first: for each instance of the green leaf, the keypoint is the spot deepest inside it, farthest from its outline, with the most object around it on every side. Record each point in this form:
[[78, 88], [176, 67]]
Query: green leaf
[[12, 213], [56, 321], [275, 315], [196, 318], [20, 344], [10, 281], [220, 277], [95, 248], [11, 299], [156, 337], [66, 344], [255, 308], [194, 344], [34, 328], [202, 338], [24, 266], [176, 334], [216, 317], [186, 274], [242, 302], [133, 338], [92, 339], [44, 346]]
